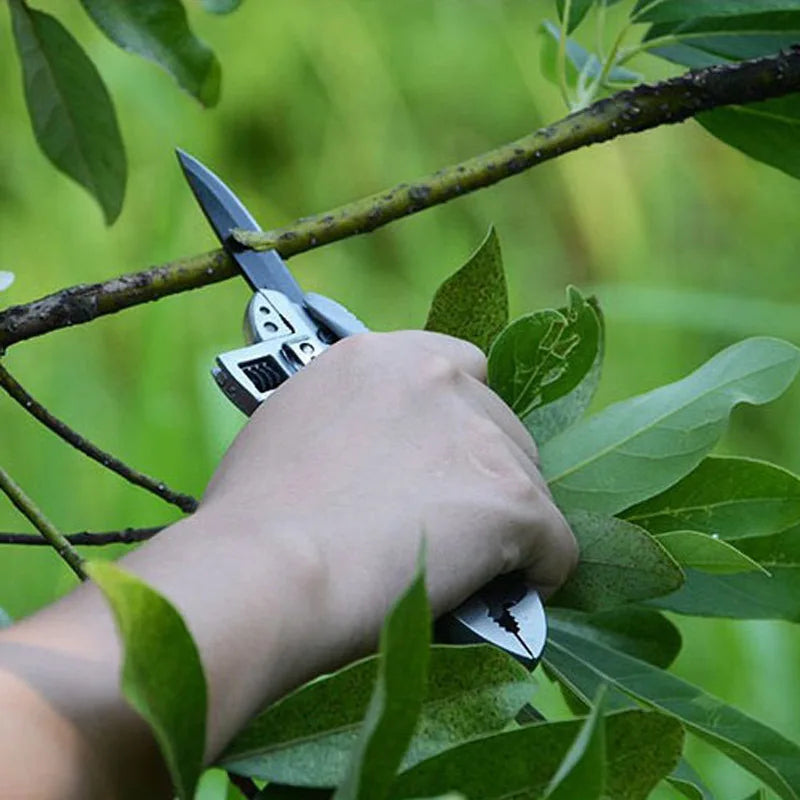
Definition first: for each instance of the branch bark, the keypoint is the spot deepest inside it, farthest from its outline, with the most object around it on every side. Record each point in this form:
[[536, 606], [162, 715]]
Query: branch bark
[[639, 109], [86, 538], [15, 390]]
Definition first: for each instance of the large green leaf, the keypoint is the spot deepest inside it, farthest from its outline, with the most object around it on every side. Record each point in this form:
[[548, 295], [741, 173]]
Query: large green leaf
[[707, 554], [545, 422], [162, 676], [768, 132], [581, 775], [159, 31], [396, 701], [473, 303], [619, 563], [577, 11], [641, 747], [750, 595], [677, 10], [634, 449], [733, 498], [640, 632], [71, 111], [762, 751], [307, 737], [544, 356]]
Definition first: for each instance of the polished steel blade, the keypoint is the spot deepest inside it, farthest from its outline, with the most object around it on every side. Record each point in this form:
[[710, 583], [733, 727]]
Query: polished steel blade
[[224, 211]]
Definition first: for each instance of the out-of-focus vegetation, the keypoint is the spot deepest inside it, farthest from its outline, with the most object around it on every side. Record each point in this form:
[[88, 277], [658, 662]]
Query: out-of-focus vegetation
[[688, 245]]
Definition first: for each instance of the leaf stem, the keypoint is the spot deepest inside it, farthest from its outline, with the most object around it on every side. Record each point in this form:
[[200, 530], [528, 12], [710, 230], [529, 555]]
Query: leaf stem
[[641, 108], [35, 516], [562, 54], [15, 390]]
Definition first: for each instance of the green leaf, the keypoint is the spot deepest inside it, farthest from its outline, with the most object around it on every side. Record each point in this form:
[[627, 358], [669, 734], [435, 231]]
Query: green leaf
[[544, 356], [396, 701], [717, 40], [307, 737], [634, 449], [750, 595], [685, 780], [581, 64], [582, 773], [642, 748], [639, 632], [221, 6], [619, 563], [158, 30], [762, 751], [546, 421], [730, 497], [679, 10], [71, 111], [578, 10], [707, 554], [162, 676], [768, 131], [473, 303]]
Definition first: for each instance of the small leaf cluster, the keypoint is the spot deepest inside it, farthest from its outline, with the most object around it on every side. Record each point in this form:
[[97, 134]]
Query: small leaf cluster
[[663, 525], [71, 109], [686, 33]]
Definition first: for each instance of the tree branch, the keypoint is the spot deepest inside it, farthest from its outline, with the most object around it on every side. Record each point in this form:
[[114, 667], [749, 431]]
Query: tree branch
[[15, 390], [51, 536], [639, 109], [86, 538]]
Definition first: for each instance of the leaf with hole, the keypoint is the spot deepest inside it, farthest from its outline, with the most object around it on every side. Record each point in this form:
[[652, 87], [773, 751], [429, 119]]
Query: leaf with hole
[[70, 108], [635, 449], [472, 304], [158, 30], [159, 655], [307, 737], [544, 356], [6, 279]]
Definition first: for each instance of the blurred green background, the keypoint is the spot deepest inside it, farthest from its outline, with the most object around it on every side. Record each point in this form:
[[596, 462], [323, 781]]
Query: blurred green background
[[689, 246]]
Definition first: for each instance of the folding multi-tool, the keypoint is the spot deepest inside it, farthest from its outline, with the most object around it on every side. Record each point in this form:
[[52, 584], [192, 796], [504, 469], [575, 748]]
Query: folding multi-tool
[[286, 329]]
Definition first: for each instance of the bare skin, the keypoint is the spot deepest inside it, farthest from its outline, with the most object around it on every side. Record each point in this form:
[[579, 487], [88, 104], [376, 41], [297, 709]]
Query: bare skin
[[308, 531]]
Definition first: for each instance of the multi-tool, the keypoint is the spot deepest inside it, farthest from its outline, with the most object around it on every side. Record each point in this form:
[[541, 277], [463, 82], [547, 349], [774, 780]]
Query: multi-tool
[[286, 329]]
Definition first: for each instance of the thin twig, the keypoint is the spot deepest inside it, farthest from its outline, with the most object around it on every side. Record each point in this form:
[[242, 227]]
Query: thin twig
[[30, 510], [639, 109], [87, 538], [15, 390]]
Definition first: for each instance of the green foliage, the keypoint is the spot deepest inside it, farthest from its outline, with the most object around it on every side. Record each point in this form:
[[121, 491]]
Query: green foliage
[[707, 554], [681, 10], [685, 779], [473, 303], [641, 748], [159, 656], [396, 701], [730, 497], [636, 448], [158, 30], [620, 563], [70, 109], [307, 737], [586, 665], [577, 11], [582, 773]]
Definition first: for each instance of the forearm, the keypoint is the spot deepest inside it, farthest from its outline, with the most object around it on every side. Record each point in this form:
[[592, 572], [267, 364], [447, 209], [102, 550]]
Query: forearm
[[259, 632]]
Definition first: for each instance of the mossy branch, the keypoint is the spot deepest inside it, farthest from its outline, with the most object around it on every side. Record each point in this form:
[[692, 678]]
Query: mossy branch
[[639, 109]]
